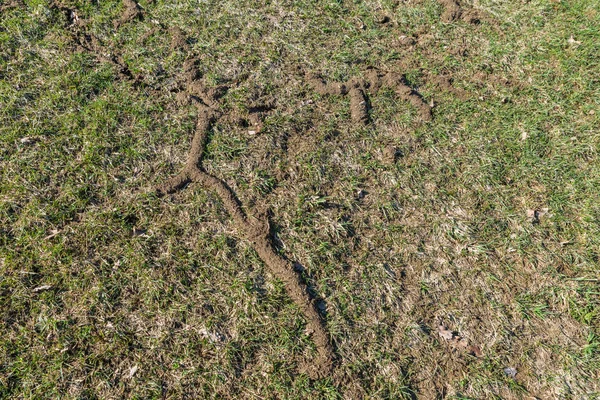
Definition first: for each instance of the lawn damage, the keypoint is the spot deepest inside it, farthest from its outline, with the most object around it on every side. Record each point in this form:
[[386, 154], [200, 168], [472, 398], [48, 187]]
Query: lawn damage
[[379, 200], [254, 228], [371, 83]]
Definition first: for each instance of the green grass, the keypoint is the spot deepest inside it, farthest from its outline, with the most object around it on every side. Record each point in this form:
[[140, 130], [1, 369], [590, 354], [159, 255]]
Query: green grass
[[149, 297]]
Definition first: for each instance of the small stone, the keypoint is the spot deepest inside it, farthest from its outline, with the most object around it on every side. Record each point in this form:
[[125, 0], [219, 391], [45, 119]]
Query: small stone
[[510, 372]]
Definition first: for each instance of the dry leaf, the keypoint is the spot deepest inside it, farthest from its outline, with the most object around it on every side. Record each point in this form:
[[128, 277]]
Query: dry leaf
[[41, 288], [132, 371], [53, 233]]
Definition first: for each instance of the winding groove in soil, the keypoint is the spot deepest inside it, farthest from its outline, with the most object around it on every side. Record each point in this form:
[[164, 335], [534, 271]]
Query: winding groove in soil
[[255, 229], [373, 80]]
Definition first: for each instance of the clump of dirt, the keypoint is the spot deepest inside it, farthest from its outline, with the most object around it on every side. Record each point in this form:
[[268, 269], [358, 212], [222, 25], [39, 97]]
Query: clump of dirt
[[391, 154], [453, 12], [373, 80], [359, 109], [446, 83], [178, 39], [406, 41], [132, 11]]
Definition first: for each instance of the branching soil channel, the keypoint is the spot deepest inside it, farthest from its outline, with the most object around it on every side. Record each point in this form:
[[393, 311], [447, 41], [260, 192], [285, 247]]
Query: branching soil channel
[[357, 88], [255, 228]]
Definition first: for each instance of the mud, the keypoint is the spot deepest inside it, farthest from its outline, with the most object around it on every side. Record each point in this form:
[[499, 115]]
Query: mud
[[371, 83]]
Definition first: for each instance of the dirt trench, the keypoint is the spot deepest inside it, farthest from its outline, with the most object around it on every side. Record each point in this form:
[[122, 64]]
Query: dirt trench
[[357, 89], [255, 228]]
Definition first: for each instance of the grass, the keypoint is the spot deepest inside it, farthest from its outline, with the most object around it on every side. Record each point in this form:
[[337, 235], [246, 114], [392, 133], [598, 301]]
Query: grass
[[108, 291]]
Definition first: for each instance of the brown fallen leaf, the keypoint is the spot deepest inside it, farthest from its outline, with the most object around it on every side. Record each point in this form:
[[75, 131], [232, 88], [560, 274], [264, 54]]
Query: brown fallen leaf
[[41, 288], [53, 233]]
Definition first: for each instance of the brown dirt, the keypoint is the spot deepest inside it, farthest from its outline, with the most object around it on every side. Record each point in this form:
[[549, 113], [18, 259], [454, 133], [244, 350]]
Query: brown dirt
[[84, 41], [131, 12], [91, 44], [406, 41], [359, 106], [255, 229], [70, 14], [445, 83], [178, 39], [373, 80], [453, 12]]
